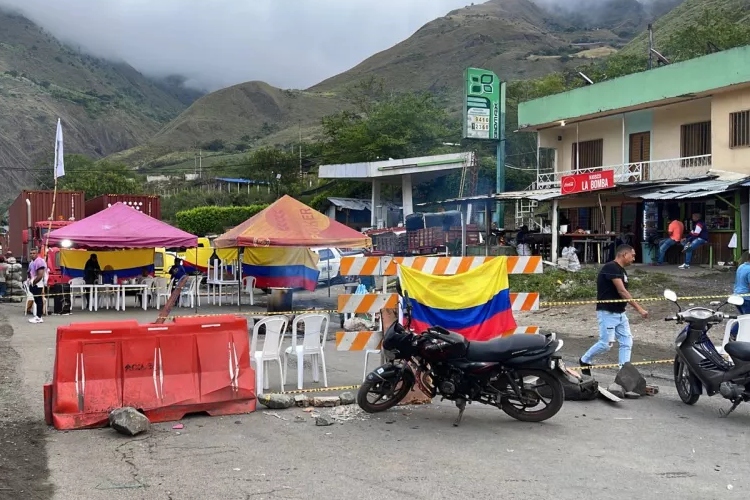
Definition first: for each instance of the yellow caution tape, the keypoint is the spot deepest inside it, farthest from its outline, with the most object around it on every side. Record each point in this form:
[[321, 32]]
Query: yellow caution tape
[[637, 299], [616, 365], [323, 389]]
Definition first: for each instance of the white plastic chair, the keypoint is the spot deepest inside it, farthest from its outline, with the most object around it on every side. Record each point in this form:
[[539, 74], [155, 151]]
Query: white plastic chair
[[743, 331], [162, 288], [275, 328], [78, 289], [313, 343], [189, 292], [249, 283], [29, 299]]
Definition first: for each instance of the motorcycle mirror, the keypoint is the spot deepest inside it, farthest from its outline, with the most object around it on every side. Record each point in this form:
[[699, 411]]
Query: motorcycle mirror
[[670, 295], [736, 300]]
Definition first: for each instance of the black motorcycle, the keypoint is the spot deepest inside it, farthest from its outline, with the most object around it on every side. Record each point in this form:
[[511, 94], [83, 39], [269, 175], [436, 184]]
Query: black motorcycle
[[513, 373], [699, 366]]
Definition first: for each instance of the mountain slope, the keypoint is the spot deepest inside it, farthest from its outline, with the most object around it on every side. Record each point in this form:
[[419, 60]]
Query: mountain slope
[[516, 38], [683, 15], [105, 107]]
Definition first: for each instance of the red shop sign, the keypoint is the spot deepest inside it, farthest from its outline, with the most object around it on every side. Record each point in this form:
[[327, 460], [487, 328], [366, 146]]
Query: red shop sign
[[581, 183]]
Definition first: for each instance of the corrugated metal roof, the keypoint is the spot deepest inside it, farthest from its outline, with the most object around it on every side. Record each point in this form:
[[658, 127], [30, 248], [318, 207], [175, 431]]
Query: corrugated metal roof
[[240, 181], [535, 194], [359, 204], [684, 191]]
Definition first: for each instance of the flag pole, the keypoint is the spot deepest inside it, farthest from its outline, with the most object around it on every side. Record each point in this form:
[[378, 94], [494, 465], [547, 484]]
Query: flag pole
[[56, 172]]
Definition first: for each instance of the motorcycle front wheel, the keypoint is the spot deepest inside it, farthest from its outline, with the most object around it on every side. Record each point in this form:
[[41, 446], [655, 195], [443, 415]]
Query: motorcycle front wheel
[[683, 381], [542, 396], [380, 395]]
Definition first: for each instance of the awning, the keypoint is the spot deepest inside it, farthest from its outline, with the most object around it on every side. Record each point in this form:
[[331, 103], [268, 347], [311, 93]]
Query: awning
[[700, 189], [532, 194]]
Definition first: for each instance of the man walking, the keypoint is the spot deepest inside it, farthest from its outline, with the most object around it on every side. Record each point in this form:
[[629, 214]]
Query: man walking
[[612, 284], [37, 270], [675, 230], [698, 236]]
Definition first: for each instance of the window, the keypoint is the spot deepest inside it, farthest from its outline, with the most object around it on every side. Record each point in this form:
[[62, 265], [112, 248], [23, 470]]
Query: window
[[739, 129], [325, 254], [695, 140], [589, 154]]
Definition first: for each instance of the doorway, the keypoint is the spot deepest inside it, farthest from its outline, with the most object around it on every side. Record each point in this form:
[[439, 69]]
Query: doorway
[[640, 154]]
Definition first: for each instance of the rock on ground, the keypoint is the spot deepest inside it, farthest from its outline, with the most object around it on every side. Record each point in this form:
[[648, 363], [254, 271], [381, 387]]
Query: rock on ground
[[301, 401], [617, 390], [326, 401], [347, 398], [276, 401], [631, 379], [324, 421], [128, 421]]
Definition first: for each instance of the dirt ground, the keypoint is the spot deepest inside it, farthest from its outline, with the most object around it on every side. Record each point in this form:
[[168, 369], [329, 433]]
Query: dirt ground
[[23, 455], [580, 320]]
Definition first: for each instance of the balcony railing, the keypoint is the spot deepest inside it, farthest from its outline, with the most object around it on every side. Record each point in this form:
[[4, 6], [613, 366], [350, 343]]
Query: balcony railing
[[675, 168]]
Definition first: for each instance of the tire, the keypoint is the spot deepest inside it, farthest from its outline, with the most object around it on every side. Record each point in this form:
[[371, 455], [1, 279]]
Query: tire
[[368, 386], [553, 388], [684, 382]]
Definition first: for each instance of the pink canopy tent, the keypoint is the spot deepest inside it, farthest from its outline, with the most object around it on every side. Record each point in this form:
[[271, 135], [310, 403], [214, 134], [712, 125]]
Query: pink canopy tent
[[122, 226]]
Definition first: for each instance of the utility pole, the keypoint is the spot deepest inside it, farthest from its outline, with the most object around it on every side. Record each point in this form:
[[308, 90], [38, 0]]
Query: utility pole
[[500, 180], [650, 46], [299, 128], [200, 164]]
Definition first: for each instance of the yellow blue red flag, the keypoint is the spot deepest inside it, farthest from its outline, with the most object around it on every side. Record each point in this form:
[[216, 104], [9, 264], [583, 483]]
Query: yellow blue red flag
[[123, 263], [475, 304], [283, 267]]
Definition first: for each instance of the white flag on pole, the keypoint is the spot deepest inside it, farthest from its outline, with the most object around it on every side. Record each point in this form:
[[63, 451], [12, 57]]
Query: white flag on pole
[[59, 159]]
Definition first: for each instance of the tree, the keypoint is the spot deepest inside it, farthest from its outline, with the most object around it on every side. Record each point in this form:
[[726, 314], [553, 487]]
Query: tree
[[719, 27], [400, 126], [98, 178]]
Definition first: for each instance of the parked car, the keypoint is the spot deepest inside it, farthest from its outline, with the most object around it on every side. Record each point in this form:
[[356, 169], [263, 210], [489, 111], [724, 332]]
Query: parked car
[[329, 263]]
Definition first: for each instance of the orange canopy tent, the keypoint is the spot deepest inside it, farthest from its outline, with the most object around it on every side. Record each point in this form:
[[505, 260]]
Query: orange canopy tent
[[290, 223]]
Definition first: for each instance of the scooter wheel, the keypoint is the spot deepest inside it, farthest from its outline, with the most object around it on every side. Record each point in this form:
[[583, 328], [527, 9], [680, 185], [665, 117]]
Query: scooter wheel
[[685, 381]]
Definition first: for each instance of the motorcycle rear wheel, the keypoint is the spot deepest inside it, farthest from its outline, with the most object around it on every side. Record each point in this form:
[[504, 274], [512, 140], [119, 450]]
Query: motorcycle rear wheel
[[393, 390], [683, 381], [551, 390]]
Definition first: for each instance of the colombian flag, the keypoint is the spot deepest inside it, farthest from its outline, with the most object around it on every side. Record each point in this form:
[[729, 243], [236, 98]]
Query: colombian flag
[[125, 264], [475, 304], [282, 267]]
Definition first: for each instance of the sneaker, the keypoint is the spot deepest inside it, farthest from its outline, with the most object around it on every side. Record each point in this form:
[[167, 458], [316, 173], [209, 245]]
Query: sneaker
[[36, 320], [584, 371], [684, 266]]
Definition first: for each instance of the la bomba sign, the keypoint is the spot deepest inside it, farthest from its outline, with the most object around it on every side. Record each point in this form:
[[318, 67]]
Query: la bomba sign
[[582, 183]]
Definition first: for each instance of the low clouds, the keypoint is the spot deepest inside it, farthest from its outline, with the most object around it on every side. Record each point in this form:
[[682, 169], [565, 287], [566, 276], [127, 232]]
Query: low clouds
[[216, 43]]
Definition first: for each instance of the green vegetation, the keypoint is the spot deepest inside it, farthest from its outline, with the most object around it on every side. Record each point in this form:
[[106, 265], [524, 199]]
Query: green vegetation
[[212, 220], [559, 285], [96, 178]]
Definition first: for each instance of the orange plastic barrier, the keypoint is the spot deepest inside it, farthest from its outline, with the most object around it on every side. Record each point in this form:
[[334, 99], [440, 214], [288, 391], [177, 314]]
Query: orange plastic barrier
[[165, 370]]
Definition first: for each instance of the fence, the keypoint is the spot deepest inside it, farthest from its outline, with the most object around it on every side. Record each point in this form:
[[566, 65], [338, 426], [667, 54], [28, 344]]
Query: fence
[[441, 266]]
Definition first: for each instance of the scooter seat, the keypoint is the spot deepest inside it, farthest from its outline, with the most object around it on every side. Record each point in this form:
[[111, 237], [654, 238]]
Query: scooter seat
[[738, 350]]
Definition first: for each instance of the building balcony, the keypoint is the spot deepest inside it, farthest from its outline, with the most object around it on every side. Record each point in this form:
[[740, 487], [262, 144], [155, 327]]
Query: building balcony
[[672, 169]]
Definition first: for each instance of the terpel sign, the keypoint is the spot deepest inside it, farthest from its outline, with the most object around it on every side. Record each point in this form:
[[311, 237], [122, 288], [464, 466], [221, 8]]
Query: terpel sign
[[581, 183]]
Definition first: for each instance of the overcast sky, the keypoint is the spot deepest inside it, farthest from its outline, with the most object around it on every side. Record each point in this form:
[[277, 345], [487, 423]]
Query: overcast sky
[[216, 43]]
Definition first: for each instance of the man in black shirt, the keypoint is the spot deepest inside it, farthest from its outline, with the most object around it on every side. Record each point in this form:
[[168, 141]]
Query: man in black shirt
[[612, 284]]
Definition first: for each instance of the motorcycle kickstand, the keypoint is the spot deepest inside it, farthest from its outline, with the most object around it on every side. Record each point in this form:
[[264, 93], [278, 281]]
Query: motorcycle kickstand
[[724, 414], [461, 404]]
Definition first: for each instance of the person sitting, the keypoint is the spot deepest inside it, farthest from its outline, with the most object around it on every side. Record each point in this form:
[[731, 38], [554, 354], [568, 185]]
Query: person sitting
[[698, 236], [91, 273]]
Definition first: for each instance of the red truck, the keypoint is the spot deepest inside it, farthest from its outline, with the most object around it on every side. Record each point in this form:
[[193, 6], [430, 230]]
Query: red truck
[[148, 204], [30, 214], [29, 220]]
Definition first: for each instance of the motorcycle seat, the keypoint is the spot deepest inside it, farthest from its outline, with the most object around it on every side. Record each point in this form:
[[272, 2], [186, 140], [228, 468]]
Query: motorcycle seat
[[503, 348], [738, 350]]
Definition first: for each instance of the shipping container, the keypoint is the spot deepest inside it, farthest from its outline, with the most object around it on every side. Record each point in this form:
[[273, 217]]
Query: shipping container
[[148, 204], [69, 205]]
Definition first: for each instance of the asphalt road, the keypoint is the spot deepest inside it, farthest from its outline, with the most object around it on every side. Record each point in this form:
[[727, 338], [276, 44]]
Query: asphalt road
[[648, 448]]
